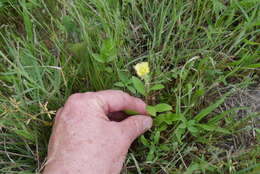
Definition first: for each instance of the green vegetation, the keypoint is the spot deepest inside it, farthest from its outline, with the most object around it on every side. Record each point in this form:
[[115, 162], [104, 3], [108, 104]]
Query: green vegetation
[[200, 54]]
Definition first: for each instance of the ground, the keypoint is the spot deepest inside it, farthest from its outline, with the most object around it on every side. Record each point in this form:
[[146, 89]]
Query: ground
[[205, 55]]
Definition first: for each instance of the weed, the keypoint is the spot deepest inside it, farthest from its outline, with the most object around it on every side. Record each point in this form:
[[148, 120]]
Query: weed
[[200, 54]]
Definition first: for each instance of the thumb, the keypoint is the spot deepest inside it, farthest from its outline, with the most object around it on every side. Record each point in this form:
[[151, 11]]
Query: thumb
[[136, 125]]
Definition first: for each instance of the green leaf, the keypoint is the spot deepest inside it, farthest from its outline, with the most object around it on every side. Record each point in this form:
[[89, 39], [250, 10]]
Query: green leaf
[[119, 84], [131, 89], [192, 129], [178, 117], [162, 107], [179, 132], [207, 127], [151, 110], [150, 155], [182, 126], [144, 141], [203, 113], [99, 58], [139, 85], [257, 65], [28, 26], [213, 128], [156, 137], [68, 23], [131, 112], [108, 50], [123, 76], [25, 134], [257, 130], [156, 87], [220, 116]]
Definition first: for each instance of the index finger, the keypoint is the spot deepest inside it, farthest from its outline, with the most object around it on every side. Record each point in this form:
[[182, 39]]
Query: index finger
[[115, 100]]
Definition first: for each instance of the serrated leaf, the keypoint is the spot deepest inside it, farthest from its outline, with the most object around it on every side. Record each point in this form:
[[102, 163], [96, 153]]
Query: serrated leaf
[[162, 107], [156, 87], [151, 110], [139, 85]]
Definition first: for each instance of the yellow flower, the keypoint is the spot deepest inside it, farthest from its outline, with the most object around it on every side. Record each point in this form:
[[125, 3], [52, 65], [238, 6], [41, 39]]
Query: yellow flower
[[142, 69]]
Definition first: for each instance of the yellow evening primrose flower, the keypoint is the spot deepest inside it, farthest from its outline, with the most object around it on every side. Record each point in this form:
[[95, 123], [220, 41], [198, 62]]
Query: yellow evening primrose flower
[[142, 69]]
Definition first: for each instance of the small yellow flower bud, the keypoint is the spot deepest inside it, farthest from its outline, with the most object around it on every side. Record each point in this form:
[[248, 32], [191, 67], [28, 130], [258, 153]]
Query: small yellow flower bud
[[142, 69]]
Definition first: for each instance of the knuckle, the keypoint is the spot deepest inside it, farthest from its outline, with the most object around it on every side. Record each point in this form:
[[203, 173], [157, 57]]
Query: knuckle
[[88, 94], [74, 99], [120, 131], [122, 93], [130, 135], [136, 126]]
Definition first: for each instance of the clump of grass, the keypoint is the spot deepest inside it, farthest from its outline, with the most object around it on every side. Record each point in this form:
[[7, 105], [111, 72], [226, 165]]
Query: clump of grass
[[201, 51]]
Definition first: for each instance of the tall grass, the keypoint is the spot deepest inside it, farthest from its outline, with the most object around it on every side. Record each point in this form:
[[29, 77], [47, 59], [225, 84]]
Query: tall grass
[[198, 49]]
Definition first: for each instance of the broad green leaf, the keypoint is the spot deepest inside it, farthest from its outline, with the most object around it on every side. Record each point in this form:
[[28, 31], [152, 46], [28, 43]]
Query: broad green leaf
[[151, 110], [99, 58], [179, 132], [162, 107], [119, 84], [144, 141], [182, 126], [156, 137], [156, 87], [178, 117], [108, 50], [68, 23], [150, 155], [123, 76], [139, 85], [192, 129], [109, 70], [131, 89], [159, 120]]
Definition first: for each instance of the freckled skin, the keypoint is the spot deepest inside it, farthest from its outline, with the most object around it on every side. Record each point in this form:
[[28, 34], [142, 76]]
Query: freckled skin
[[85, 141]]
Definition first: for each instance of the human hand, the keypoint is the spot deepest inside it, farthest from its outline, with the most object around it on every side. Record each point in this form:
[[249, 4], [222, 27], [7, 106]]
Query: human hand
[[85, 141]]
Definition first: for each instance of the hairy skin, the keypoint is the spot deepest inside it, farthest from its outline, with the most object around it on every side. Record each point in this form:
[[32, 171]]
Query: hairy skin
[[85, 141]]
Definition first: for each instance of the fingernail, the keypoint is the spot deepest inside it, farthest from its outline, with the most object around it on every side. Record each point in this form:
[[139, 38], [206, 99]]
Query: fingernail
[[147, 123]]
